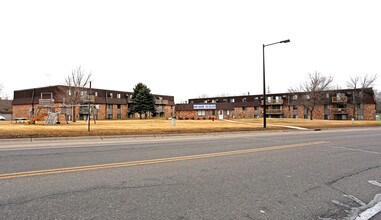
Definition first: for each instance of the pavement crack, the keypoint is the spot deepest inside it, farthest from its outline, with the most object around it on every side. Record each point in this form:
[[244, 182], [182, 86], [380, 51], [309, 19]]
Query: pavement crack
[[330, 183], [120, 186]]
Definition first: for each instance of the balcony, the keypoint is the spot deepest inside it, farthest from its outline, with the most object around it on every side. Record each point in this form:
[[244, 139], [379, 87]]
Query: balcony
[[274, 111], [340, 99], [88, 98], [274, 102], [340, 111], [161, 102]]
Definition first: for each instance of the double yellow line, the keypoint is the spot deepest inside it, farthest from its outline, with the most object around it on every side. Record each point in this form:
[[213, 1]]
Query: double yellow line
[[153, 161]]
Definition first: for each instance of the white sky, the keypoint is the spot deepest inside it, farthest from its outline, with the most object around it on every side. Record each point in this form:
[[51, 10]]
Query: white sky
[[187, 48]]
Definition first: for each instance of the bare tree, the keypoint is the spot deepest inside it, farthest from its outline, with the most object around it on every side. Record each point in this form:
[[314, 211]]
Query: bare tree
[[76, 82], [311, 91], [1, 89], [358, 84], [202, 96], [377, 95]]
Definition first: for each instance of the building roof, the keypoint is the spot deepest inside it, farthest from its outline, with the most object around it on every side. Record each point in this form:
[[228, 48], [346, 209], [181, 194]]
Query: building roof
[[32, 96]]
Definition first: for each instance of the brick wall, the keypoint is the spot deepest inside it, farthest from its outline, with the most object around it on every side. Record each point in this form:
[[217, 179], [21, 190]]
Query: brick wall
[[21, 111], [300, 112], [247, 113], [168, 111], [318, 112], [288, 111], [369, 112]]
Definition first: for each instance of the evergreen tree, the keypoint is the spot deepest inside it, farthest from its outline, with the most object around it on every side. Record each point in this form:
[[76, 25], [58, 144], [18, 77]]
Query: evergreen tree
[[143, 102]]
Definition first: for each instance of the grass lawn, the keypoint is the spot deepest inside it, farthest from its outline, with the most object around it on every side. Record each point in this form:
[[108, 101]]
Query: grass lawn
[[161, 126]]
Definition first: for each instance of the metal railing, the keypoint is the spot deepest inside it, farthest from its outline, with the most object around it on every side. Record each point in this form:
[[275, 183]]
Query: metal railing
[[340, 99], [273, 102], [340, 111]]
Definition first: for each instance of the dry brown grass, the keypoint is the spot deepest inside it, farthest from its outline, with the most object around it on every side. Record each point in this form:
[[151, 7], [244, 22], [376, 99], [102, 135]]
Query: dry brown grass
[[155, 126]]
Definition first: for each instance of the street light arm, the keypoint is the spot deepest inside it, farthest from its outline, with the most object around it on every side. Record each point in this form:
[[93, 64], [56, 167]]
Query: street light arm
[[280, 42]]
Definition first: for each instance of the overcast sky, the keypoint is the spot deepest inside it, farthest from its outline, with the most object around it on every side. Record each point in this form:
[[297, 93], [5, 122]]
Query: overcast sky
[[187, 48]]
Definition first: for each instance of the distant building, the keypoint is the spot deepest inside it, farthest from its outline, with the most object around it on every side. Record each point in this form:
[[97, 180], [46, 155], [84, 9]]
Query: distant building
[[107, 104], [6, 109], [333, 105]]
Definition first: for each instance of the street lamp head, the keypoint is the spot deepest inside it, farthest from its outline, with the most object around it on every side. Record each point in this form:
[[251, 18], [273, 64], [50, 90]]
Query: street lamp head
[[285, 41]]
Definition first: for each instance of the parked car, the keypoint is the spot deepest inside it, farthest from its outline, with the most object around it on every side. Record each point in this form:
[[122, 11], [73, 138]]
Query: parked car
[[2, 118]]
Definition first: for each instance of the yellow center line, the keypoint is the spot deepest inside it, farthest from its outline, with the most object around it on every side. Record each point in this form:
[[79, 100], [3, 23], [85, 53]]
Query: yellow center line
[[153, 161]]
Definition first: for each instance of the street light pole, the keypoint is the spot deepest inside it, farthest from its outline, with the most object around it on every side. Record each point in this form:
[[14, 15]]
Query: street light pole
[[264, 78]]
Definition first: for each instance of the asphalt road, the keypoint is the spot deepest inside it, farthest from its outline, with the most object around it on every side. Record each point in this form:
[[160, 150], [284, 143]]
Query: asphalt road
[[275, 175]]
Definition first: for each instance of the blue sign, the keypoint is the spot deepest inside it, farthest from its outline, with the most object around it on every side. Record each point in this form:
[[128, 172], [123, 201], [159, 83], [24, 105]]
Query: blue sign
[[212, 106]]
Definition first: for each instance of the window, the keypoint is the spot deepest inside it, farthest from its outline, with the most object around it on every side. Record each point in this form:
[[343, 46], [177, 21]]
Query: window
[[201, 112], [83, 93], [213, 101], [118, 96], [95, 94], [118, 116], [232, 100], [327, 95], [225, 100], [69, 92], [294, 97], [243, 108], [109, 116], [109, 107], [118, 106], [244, 99], [205, 101], [109, 95]]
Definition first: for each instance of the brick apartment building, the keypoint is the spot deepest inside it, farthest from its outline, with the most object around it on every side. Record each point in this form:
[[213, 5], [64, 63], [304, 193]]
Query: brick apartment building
[[333, 105], [108, 104]]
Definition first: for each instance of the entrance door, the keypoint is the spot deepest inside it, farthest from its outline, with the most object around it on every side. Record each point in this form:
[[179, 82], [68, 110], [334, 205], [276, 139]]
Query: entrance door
[[221, 114]]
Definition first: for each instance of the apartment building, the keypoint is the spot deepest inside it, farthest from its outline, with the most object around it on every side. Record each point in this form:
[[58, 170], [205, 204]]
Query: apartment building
[[106, 104], [332, 105]]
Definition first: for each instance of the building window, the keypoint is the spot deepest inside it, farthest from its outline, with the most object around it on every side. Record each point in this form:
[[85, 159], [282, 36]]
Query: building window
[[232, 100], [109, 95], [201, 112], [294, 97], [109, 116], [118, 96], [95, 94], [69, 92], [243, 108], [244, 99], [205, 101], [213, 101], [118, 106], [109, 107], [118, 116]]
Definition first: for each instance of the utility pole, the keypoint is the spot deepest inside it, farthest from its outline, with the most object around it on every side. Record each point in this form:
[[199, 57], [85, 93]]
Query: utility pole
[[88, 118]]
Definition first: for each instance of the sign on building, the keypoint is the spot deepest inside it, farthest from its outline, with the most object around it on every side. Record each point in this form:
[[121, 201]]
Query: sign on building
[[209, 106]]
